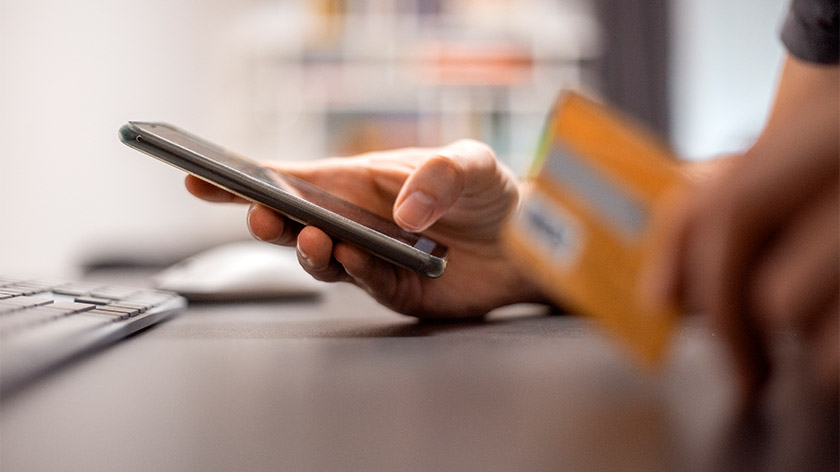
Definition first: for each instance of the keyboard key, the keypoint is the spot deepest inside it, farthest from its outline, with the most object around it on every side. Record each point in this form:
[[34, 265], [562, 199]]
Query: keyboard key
[[37, 285], [76, 289], [93, 300], [25, 301], [139, 306], [19, 303], [15, 289], [118, 309], [109, 315], [70, 307], [114, 292], [149, 297]]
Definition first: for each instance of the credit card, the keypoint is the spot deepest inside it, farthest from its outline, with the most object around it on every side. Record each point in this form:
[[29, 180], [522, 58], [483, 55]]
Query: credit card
[[587, 222]]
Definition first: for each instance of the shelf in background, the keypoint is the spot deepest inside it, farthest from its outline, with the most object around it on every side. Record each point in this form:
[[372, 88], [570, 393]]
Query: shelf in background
[[337, 77]]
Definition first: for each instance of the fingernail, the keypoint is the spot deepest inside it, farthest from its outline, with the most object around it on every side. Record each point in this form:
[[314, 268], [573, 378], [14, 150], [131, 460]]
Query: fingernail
[[251, 209], [415, 212], [304, 257]]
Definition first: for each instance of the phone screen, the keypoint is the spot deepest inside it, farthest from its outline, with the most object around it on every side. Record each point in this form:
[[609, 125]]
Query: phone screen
[[222, 161]]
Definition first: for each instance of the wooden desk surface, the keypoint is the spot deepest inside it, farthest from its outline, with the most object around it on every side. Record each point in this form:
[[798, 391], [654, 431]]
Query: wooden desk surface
[[343, 384]]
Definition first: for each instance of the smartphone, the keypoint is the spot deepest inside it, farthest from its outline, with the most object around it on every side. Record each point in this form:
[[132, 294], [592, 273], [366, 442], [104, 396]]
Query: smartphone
[[288, 195]]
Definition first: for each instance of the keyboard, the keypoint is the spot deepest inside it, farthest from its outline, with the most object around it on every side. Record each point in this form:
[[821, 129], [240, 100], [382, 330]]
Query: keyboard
[[46, 323]]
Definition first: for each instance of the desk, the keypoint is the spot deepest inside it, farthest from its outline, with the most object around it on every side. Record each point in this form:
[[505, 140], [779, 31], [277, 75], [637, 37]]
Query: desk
[[343, 384]]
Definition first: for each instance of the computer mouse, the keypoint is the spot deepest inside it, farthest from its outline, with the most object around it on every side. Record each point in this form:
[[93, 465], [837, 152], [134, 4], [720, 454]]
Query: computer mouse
[[240, 271]]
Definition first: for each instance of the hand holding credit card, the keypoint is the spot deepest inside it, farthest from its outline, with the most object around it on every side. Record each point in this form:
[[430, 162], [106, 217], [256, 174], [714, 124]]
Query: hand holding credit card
[[586, 225]]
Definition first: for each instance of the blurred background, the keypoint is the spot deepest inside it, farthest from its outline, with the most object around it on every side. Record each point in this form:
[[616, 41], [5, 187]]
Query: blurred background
[[282, 79]]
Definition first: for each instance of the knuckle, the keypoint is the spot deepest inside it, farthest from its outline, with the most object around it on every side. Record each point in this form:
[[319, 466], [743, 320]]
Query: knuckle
[[475, 146], [444, 165], [286, 239], [327, 274], [471, 150]]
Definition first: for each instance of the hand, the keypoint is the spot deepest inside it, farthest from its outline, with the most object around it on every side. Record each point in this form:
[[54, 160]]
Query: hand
[[758, 246], [459, 195]]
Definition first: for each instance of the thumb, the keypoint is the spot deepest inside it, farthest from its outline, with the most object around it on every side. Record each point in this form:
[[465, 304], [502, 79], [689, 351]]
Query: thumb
[[430, 190]]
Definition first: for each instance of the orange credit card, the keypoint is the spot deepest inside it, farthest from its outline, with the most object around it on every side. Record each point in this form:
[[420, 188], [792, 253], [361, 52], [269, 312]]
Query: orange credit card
[[586, 224]]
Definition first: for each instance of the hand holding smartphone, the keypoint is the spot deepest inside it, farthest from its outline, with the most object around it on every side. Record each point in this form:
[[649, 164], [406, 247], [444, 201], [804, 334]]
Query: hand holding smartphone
[[288, 195]]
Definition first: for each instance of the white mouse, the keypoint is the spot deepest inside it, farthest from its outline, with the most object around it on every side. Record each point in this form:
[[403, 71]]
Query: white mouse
[[244, 270]]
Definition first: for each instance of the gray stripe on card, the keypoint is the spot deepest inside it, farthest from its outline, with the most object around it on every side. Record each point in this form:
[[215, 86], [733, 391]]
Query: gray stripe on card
[[607, 199]]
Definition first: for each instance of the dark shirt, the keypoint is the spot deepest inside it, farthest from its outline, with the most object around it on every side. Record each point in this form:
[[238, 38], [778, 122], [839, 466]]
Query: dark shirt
[[810, 31]]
